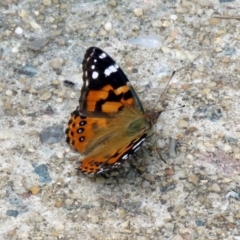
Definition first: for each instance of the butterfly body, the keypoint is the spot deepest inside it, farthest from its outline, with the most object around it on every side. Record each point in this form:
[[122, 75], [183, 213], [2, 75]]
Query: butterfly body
[[109, 124]]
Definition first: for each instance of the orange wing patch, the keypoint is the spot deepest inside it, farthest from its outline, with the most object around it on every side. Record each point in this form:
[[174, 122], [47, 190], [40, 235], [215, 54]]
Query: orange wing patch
[[108, 99], [80, 131]]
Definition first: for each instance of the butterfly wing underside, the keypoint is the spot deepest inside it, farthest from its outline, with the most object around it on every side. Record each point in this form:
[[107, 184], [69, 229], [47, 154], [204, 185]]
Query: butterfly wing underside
[[107, 103]]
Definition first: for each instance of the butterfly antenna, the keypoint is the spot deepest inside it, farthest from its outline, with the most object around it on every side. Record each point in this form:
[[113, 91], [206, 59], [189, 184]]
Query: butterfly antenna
[[165, 88]]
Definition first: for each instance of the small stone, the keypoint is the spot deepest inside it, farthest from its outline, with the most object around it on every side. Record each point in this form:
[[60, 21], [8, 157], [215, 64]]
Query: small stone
[[218, 49], [191, 130], [214, 196], [182, 10], [227, 148], [180, 136], [237, 215], [214, 21], [59, 154], [12, 213], [182, 212], [186, 3], [34, 190], [59, 100], [215, 188], [9, 92], [169, 171], [56, 63], [122, 213], [138, 12], [47, 2], [94, 219], [38, 43], [102, 33], [31, 150], [42, 171], [69, 201], [72, 95], [166, 24], [18, 31], [201, 199], [55, 233], [205, 91], [145, 184], [174, 17], [45, 96], [58, 203], [52, 134], [6, 134], [230, 219], [182, 124], [108, 26], [193, 178], [204, 3], [112, 3], [177, 237], [149, 177]]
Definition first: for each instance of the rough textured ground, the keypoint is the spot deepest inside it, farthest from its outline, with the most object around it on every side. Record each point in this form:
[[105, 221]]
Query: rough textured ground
[[195, 194]]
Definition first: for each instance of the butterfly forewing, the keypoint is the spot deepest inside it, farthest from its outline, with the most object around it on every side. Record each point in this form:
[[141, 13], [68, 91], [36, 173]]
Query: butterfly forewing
[[106, 88]]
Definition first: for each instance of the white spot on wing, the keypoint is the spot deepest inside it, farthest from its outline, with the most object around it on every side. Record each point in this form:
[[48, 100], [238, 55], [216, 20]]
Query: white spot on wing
[[86, 73], [136, 149], [95, 60], [125, 156], [93, 67], [95, 75], [109, 70], [137, 145], [116, 66], [103, 55]]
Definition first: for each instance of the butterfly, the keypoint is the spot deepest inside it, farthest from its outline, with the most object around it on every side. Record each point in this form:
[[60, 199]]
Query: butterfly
[[110, 124]]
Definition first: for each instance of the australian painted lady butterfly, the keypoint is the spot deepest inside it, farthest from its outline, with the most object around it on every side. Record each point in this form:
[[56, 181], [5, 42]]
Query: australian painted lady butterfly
[[109, 124]]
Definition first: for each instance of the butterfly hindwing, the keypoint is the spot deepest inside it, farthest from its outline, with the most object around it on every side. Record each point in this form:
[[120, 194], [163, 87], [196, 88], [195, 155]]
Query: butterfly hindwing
[[96, 165]]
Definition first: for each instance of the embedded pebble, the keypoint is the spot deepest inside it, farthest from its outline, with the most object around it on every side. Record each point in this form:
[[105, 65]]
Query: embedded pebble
[[42, 172], [47, 2], [58, 203], [193, 178], [138, 12], [52, 134], [204, 3], [9, 93], [59, 100], [145, 184], [34, 190], [182, 212], [215, 188], [18, 30], [12, 213], [182, 124], [45, 96], [56, 63], [112, 3], [38, 43], [108, 26]]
